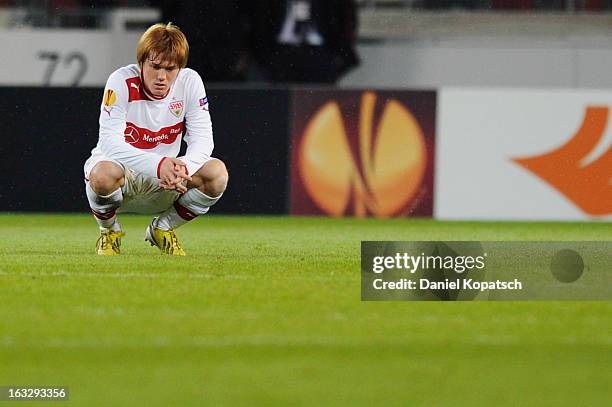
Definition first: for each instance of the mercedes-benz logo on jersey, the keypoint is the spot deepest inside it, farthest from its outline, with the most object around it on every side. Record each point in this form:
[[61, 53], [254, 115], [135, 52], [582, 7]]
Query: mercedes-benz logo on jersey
[[131, 135]]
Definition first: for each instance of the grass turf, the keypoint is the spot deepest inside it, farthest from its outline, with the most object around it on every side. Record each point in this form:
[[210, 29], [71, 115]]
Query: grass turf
[[266, 310]]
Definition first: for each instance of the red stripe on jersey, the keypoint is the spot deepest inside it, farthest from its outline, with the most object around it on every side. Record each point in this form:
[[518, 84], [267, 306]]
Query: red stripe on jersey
[[135, 90], [183, 212], [145, 139]]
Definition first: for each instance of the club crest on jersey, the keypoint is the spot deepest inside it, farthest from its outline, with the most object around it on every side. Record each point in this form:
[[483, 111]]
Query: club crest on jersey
[[176, 108]]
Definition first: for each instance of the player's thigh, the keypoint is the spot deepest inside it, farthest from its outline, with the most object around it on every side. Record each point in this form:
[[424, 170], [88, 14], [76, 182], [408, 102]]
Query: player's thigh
[[212, 170], [143, 194]]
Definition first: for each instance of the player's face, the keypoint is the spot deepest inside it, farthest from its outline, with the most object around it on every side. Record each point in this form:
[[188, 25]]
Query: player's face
[[159, 75]]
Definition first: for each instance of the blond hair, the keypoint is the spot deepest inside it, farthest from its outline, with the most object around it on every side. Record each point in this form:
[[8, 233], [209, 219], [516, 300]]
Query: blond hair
[[165, 40]]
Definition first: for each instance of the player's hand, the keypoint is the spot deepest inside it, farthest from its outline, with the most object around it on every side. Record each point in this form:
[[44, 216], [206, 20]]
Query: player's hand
[[177, 184], [172, 173]]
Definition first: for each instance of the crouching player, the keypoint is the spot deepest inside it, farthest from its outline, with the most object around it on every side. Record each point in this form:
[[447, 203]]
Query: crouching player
[[146, 110]]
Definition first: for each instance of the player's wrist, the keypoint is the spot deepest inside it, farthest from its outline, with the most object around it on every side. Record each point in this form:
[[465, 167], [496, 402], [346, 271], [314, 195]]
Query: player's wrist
[[159, 165]]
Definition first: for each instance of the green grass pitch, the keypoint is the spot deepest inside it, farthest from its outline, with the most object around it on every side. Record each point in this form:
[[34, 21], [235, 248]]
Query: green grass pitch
[[267, 311]]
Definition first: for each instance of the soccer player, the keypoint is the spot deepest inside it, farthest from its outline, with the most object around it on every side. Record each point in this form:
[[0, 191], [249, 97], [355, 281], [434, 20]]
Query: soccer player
[[146, 110]]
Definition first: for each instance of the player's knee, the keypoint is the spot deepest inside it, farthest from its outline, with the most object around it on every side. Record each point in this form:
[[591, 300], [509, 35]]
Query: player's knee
[[106, 177], [218, 179], [214, 177]]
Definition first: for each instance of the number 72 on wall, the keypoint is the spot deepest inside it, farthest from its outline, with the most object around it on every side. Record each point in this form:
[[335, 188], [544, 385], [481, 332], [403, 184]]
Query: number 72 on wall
[[55, 61]]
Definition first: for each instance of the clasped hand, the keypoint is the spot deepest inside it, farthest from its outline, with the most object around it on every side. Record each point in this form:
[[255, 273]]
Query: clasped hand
[[172, 173]]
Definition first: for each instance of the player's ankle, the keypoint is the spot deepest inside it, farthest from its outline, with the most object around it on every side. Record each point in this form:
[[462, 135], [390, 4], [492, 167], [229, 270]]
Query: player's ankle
[[113, 227], [162, 223]]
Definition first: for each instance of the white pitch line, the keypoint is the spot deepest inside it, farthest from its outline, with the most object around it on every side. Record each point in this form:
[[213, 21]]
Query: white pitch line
[[262, 340], [168, 274]]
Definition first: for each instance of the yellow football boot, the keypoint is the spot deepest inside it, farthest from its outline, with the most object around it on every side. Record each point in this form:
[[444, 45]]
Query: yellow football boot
[[165, 240], [108, 243]]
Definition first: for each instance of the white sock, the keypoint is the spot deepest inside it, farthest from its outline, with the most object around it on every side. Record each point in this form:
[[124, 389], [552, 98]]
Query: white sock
[[112, 224], [190, 205], [170, 219], [104, 207]]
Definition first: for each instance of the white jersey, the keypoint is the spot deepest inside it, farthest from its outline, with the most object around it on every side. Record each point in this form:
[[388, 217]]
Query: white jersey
[[138, 130]]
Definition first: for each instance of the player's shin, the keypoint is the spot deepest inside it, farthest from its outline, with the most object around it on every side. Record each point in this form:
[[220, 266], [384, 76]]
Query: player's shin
[[190, 205], [104, 208]]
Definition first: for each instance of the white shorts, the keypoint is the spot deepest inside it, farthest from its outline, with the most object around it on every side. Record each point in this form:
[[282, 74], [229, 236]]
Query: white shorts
[[141, 193]]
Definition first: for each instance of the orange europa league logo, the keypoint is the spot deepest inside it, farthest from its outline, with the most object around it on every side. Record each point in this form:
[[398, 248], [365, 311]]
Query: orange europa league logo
[[380, 177], [589, 186]]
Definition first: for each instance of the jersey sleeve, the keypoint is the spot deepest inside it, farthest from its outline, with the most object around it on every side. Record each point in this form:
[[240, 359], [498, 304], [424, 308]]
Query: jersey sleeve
[[113, 115], [198, 126]]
